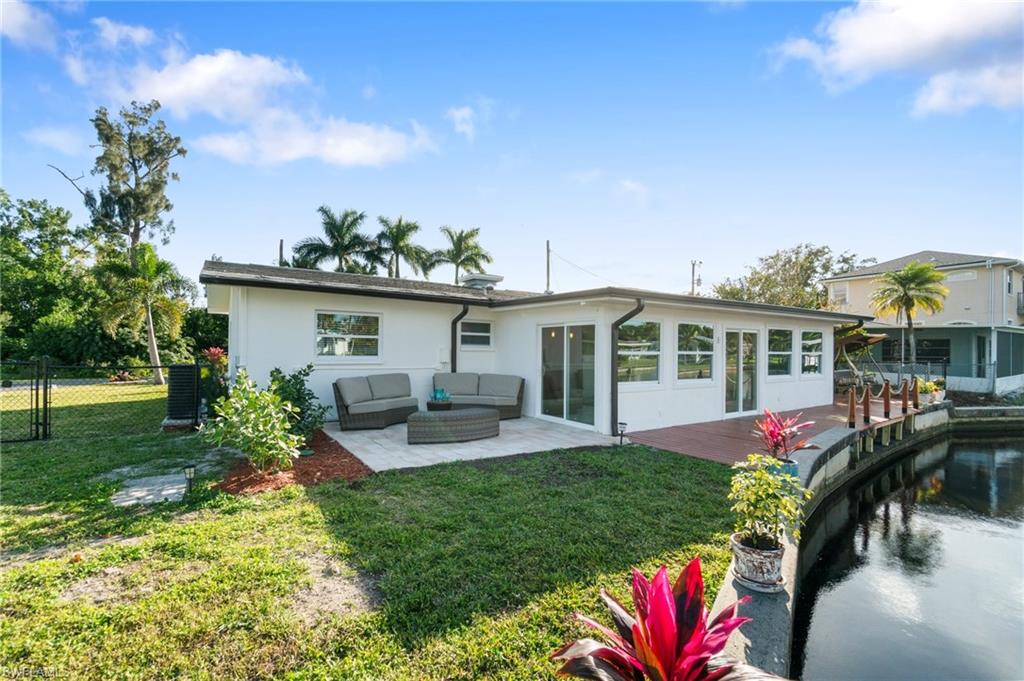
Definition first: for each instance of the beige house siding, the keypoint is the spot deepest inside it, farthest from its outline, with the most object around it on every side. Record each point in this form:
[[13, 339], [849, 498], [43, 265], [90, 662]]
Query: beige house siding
[[978, 296]]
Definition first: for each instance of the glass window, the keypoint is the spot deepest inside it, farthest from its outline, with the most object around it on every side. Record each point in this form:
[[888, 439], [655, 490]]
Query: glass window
[[780, 352], [476, 334], [639, 351], [839, 293], [810, 352], [344, 334], [695, 352]]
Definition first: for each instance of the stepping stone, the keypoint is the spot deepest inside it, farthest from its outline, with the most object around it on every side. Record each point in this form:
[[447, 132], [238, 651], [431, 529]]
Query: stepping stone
[[151, 490]]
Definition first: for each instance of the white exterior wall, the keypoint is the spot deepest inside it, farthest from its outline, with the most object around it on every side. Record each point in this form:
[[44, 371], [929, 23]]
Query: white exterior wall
[[670, 401], [276, 328], [270, 328]]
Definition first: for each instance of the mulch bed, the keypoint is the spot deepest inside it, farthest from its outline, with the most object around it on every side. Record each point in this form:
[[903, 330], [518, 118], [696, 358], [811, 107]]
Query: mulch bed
[[330, 461]]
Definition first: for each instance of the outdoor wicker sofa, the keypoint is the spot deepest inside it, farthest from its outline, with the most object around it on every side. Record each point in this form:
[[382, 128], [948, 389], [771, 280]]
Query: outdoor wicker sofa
[[375, 401], [461, 425], [503, 392]]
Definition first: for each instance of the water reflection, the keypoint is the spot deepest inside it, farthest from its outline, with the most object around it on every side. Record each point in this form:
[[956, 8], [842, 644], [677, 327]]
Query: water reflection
[[918, 573]]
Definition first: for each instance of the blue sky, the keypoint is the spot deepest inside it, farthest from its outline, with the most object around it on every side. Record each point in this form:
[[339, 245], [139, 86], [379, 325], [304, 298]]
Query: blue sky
[[635, 137]]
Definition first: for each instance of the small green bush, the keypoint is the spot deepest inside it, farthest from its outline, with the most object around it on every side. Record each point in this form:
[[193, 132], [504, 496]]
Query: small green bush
[[309, 413], [767, 502], [256, 422]]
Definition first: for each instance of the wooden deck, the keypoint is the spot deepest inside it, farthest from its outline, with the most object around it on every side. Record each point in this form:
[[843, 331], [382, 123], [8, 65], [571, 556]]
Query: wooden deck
[[730, 440]]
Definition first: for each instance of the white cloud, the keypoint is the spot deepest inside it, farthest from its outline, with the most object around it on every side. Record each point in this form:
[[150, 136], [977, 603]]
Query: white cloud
[[76, 69], [27, 26], [466, 119], [227, 84], [280, 136], [112, 33], [66, 140], [463, 120], [586, 176], [1000, 85], [955, 39], [633, 190]]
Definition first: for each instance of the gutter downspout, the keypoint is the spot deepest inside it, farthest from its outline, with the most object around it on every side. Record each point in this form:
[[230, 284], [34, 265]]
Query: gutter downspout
[[455, 337], [615, 361]]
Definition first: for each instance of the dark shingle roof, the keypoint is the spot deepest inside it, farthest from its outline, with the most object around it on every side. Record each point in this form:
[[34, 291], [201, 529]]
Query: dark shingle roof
[[939, 258], [270, 276], [267, 276]]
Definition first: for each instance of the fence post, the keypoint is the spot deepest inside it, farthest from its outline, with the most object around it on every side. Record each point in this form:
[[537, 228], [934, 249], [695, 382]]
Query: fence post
[[886, 398], [45, 365], [905, 396], [195, 394], [867, 404], [916, 396]]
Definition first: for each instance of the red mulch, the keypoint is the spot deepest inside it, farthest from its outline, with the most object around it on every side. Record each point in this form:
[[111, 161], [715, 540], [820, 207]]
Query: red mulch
[[329, 462]]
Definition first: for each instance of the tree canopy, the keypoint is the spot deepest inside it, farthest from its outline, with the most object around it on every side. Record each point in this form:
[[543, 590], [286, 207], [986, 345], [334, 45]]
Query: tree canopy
[[464, 251], [791, 276], [903, 292]]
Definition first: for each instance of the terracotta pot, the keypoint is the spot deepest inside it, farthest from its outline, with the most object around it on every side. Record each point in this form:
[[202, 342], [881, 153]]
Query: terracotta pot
[[757, 569]]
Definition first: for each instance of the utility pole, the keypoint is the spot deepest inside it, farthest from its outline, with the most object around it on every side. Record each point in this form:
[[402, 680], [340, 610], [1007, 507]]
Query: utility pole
[[547, 250], [694, 278], [280, 253]]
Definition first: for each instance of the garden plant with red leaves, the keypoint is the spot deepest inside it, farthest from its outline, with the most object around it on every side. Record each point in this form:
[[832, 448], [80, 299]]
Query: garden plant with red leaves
[[777, 433], [668, 638]]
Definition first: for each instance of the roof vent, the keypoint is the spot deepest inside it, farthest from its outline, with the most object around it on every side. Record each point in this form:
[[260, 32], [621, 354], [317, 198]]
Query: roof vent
[[480, 280]]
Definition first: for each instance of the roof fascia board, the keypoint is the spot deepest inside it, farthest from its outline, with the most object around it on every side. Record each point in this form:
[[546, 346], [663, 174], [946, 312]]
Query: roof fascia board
[[960, 265]]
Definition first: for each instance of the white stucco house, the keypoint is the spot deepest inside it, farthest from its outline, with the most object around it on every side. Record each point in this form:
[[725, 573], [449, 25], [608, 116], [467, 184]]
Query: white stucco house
[[590, 358]]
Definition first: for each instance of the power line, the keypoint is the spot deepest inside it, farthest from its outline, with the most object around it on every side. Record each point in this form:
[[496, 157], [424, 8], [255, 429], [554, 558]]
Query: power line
[[583, 269]]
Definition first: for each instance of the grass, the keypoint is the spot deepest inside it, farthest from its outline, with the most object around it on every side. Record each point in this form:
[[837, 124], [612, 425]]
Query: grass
[[478, 565]]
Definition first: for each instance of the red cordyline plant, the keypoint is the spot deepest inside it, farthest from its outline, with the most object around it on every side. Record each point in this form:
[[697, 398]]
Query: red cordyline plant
[[216, 357], [777, 433], [668, 639]]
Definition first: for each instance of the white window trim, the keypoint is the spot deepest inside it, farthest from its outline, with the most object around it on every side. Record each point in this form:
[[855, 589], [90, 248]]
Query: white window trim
[[695, 382], [768, 352], [800, 355], [477, 348], [351, 359], [639, 386]]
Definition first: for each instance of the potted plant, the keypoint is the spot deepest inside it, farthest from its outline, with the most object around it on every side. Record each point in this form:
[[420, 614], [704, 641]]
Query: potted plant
[[934, 390], [777, 436], [768, 503]]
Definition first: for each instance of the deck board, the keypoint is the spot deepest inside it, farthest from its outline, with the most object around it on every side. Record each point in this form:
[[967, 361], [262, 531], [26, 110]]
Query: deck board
[[730, 440]]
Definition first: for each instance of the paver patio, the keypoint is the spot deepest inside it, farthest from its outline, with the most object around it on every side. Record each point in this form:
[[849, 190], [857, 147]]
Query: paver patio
[[387, 448]]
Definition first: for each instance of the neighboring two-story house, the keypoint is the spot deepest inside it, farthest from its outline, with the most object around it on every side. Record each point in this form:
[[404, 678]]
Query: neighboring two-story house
[[978, 336]]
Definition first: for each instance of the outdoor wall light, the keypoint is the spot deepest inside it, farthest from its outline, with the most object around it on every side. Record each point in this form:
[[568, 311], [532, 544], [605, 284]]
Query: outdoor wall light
[[190, 474], [622, 431]]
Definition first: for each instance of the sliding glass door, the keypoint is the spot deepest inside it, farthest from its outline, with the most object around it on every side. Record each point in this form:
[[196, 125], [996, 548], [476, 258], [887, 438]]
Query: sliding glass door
[[740, 371], [567, 372]]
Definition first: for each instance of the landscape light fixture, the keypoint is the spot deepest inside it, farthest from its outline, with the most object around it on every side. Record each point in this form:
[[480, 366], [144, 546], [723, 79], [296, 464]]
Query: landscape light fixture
[[190, 474], [622, 431]]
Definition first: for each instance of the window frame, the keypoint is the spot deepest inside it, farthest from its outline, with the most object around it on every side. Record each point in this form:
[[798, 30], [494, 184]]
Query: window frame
[[820, 374], [791, 353], [349, 359], [489, 335], [648, 384], [693, 382]]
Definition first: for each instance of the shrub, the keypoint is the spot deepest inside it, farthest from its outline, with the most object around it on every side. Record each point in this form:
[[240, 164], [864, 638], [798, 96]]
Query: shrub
[[777, 433], [309, 414], [256, 422], [927, 387], [767, 502], [667, 638]]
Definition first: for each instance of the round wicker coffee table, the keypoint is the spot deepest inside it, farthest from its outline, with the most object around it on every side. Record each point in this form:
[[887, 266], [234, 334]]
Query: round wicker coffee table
[[457, 425]]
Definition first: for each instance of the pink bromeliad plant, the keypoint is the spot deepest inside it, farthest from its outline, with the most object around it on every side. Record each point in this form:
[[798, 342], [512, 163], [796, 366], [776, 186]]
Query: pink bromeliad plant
[[668, 638], [777, 433]]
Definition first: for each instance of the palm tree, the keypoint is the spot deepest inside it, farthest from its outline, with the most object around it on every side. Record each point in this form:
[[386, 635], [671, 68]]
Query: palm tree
[[464, 251], [343, 242], [394, 244], [917, 285], [149, 292]]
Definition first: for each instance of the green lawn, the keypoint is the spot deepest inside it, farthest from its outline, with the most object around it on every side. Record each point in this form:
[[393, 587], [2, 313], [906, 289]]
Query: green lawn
[[475, 566]]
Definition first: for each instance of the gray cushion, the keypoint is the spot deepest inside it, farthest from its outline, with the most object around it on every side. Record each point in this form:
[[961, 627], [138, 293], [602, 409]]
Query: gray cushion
[[484, 400], [500, 385], [385, 386], [461, 383], [354, 390], [374, 406]]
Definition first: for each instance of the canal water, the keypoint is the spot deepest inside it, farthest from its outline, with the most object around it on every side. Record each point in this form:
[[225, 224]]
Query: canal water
[[918, 573]]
